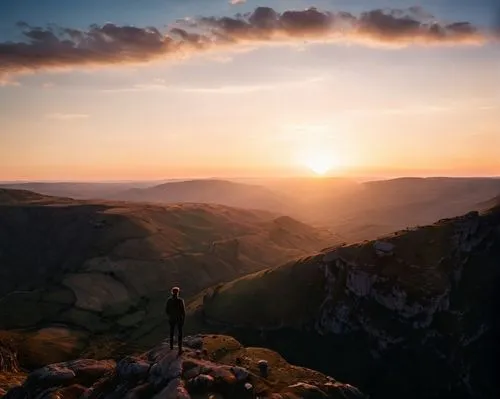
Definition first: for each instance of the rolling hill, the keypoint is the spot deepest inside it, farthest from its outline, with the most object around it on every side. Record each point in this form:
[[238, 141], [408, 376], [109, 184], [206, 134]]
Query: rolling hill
[[108, 266], [411, 315], [209, 191], [76, 190], [377, 208], [355, 211]]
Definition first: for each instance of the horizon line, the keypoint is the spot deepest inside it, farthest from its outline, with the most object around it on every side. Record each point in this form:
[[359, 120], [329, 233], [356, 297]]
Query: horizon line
[[312, 177]]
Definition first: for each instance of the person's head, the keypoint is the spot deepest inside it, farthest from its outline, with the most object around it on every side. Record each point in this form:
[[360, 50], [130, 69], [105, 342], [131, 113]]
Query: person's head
[[175, 291]]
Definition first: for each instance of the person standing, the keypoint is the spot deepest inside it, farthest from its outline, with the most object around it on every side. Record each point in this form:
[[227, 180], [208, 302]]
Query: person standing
[[176, 314]]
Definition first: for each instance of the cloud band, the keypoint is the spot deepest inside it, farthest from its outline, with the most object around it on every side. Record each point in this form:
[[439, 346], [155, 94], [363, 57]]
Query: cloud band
[[55, 47]]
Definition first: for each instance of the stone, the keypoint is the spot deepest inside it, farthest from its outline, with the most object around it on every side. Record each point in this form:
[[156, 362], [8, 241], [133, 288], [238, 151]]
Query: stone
[[132, 368], [51, 375], [223, 374], [306, 391], [174, 390], [72, 392], [383, 248], [193, 342], [344, 390], [192, 372], [240, 373], [85, 371], [88, 370], [263, 368], [201, 383]]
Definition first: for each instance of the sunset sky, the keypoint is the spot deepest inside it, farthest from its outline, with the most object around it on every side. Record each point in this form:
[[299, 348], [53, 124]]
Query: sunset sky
[[150, 89]]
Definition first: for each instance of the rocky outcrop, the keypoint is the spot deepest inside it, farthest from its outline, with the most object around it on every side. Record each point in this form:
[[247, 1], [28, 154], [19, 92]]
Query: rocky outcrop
[[206, 369]]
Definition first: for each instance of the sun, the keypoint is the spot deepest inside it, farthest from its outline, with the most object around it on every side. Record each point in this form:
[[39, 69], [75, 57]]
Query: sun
[[319, 163]]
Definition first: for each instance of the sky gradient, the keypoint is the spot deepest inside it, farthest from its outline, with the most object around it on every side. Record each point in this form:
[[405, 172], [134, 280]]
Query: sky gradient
[[102, 90]]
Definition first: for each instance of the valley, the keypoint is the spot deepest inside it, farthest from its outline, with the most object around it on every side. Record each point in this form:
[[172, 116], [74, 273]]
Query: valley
[[88, 279]]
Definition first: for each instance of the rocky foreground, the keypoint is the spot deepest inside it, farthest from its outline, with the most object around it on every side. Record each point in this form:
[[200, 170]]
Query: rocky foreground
[[215, 367]]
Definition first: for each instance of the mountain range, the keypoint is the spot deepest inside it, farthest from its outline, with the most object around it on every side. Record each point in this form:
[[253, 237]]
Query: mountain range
[[355, 211]]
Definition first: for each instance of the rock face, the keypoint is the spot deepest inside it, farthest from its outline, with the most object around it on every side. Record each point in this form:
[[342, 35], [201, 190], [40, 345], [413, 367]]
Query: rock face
[[413, 315], [164, 374]]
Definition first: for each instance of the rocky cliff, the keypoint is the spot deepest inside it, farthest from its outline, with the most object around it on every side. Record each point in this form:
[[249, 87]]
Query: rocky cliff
[[410, 315], [210, 367]]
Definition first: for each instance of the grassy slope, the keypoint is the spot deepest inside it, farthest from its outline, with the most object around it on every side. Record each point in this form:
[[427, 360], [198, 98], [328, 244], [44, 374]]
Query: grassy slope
[[283, 296], [288, 295], [107, 266]]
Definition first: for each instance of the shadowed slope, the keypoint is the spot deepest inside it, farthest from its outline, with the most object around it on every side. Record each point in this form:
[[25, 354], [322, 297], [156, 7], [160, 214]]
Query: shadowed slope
[[412, 315], [103, 266]]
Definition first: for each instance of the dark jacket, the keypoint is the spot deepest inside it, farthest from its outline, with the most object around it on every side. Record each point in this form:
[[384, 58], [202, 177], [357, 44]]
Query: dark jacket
[[175, 309]]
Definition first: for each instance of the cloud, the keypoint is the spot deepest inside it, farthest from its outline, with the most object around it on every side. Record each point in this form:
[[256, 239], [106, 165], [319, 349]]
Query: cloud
[[66, 117], [236, 2], [54, 48]]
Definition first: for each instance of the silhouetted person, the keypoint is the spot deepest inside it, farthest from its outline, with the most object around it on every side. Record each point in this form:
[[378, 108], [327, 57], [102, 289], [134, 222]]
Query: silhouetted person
[[176, 314]]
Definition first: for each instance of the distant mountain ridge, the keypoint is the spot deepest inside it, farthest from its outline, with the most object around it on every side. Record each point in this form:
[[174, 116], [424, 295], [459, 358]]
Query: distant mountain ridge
[[210, 191], [355, 211]]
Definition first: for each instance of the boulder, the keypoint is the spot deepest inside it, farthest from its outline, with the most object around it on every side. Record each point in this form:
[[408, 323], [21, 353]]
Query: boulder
[[383, 248], [132, 368], [174, 390], [51, 375], [88, 370], [193, 342], [240, 373], [171, 376]]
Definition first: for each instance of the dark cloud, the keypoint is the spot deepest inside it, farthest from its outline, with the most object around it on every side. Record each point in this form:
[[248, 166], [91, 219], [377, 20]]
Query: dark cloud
[[55, 47]]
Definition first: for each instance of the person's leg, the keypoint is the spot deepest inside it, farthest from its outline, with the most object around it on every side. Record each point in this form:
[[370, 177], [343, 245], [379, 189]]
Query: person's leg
[[172, 332], [179, 337]]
